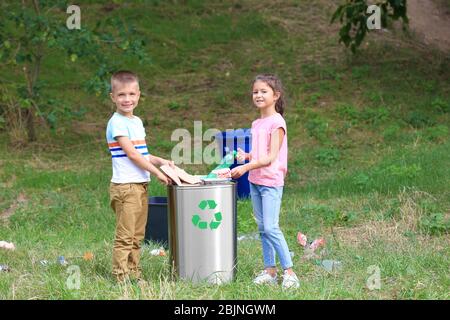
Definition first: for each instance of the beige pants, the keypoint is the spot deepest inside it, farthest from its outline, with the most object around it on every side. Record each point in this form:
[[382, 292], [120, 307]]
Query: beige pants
[[130, 203]]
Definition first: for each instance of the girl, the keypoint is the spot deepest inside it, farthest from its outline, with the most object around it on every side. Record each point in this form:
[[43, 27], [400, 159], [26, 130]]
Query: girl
[[268, 167]]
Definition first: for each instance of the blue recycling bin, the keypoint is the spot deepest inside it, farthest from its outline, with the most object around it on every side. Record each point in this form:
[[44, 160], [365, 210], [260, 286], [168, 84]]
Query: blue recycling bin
[[230, 140]]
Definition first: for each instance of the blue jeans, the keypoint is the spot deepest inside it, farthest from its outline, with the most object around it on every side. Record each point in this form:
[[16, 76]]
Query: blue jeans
[[266, 208]]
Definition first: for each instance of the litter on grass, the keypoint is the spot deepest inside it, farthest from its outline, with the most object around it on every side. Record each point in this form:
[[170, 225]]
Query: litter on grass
[[302, 239], [250, 236], [316, 244], [4, 268], [62, 261], [44, 263], [158, 252], [88, 256], [331, 265], [7, 245]]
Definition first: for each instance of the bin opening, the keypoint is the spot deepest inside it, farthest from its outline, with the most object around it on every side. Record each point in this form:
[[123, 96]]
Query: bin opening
[[157, 200]]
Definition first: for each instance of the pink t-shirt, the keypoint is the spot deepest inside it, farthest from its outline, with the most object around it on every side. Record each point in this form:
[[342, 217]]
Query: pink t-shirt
[[273, 174]]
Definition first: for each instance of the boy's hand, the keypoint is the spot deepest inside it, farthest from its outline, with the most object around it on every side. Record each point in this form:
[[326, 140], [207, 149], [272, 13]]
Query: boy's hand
[[170, 163], [238, 172], [163, 179], [241, 155]]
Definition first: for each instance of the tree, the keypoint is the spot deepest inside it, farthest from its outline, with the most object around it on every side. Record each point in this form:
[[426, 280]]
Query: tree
[[353, 17], [30, 29]]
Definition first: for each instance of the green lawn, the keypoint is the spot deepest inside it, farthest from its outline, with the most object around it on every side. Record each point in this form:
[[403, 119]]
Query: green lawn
[[368, 155]]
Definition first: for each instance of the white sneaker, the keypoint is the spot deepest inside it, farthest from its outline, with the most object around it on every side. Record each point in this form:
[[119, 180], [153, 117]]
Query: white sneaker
[[265, 278], [290, 281]]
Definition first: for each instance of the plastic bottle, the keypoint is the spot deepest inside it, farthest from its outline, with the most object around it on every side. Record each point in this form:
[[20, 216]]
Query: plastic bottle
[[226, 162]]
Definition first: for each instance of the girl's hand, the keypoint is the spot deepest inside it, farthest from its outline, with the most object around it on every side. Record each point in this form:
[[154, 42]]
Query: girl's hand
[[238, 172], [241, 155]]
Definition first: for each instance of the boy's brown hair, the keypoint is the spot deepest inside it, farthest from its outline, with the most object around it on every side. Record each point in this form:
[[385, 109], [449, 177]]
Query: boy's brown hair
[[123, 76]]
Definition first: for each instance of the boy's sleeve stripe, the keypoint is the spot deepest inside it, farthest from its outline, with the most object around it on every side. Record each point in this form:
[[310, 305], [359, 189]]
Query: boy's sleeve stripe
[[124, 155], [134, 142], [113, 144], [120, 149]]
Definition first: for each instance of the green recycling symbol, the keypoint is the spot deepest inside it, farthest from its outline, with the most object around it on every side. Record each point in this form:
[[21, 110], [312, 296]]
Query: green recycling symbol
[[214, 223]]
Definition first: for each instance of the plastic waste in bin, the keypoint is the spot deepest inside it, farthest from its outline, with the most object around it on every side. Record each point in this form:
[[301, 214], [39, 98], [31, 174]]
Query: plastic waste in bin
[[202, 231], [156, 229], [231, 140], [226, 163]]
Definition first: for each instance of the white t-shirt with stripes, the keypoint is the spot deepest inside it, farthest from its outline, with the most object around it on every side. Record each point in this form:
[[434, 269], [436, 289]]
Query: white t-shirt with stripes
[[125, 170]]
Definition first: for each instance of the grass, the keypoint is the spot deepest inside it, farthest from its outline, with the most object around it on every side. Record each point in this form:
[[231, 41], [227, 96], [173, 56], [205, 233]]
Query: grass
[[368, 156]]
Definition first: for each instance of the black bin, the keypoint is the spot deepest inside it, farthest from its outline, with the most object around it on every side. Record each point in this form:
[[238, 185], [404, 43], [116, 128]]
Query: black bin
[[157, 225]]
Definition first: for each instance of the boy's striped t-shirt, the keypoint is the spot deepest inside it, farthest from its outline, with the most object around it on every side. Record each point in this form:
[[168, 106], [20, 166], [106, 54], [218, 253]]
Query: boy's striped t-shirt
[[125, 170]]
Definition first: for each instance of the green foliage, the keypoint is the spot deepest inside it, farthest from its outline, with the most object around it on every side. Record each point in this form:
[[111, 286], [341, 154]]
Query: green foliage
[[31, 30], [65, 189], [317, 127], [348, 112], [435, 224], [391, 132], [313, 98], [440, 105], [419, 119], [374, 116], [353, 17], [402, 171], [439, 133], [174, 105], [221, 99], [328, 215], [361, 180], [361, 72], [327, 156]]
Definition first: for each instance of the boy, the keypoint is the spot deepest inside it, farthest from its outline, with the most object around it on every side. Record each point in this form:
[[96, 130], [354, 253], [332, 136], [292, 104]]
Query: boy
[[132, 165]]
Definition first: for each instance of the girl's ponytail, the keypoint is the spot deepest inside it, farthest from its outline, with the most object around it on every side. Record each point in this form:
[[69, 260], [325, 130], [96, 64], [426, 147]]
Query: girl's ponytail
[[275, 83]]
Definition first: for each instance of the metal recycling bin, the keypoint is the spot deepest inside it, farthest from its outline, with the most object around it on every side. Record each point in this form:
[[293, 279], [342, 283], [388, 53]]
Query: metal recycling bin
[[202, 231]]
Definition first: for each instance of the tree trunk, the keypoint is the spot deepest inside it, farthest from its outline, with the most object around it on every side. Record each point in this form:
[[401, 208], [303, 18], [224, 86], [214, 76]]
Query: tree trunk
[[31, 131]]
